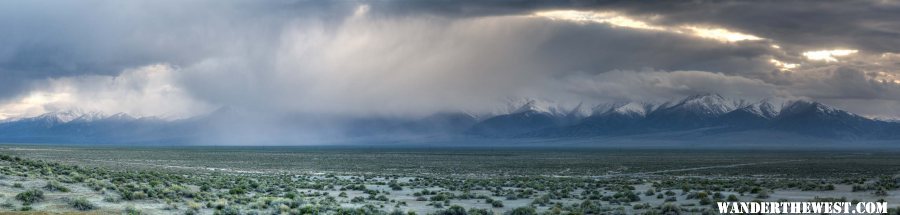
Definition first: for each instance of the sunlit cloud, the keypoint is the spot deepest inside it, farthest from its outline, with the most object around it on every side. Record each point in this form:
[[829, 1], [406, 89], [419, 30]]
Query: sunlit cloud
[[828, 55], [890, 57], [886, 78], [783, 66], [616, 19], [721, 34], [144, 91], [32, 104], [610, 18]]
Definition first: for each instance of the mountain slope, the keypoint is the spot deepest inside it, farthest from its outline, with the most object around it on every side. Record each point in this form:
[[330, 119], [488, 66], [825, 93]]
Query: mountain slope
[[756, 115], [692, 112], [817, 119], [691, 118], [612, 120], [76, 126], [513, 124]]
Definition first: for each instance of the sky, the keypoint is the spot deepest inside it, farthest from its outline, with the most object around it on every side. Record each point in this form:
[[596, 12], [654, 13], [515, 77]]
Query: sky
[[177, 59]]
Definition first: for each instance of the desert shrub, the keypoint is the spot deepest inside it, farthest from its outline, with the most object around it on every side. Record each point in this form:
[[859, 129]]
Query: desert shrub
[[705, 201], [497, 204], [511, 196], [453, 210], [30, 196], [626, 196], [641, 206], [479, 211], [95, 184], [542, 201], [762, 194], [170, 206], [732, 198], [397, 212], [438, 197], [128, 195], [522, 211], [82, 204], [218, 204], [193, 206], [395, 186], [111, 199], [130, 210], [237, 191], [55, 186], [755, 189], [670, 209], [382, 198], [718, 195]]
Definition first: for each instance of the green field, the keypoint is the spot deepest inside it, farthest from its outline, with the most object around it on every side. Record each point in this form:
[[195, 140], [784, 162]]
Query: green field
[[396, 180]]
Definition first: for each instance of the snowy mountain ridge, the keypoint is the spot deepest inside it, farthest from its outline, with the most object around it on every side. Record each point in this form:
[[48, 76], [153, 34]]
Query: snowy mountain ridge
[[529, 118]]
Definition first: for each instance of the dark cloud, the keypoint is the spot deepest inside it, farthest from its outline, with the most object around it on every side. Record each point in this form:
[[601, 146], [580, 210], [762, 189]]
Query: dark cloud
[[418, 57], [49, 39], [864, 25]]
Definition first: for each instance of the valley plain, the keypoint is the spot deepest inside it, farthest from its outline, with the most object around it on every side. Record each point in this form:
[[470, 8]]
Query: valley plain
[[429, 180]]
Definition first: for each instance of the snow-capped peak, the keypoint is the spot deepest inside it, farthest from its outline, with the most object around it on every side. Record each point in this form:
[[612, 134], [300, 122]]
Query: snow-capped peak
[[762, 108], [60, 116], [74, 115], [540, 106], [120, 116], [89, 117], [629, 108], [580, 111], [530, 105], [710, 104], [632, 108], [801, 106]]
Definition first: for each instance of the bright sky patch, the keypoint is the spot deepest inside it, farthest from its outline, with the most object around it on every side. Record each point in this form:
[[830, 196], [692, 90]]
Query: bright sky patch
[[828, 55], [616, 19]]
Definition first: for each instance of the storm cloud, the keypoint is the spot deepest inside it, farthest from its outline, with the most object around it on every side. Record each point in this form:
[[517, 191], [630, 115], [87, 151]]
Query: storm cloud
[[182, 58]]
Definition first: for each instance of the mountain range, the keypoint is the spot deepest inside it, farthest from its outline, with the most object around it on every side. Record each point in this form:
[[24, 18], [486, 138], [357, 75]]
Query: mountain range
[[707, 115]]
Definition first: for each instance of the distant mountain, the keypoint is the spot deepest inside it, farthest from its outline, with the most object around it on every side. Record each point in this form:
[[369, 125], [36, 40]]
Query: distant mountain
[[714, 115], [817, 119], [691, 112], [754, 115], [78, 126], [615, 119], [527, 118], [699, 117]]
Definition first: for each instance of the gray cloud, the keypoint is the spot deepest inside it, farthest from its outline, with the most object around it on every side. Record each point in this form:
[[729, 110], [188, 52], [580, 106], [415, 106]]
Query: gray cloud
[[420, 57], [864, 25], [660, 86]]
